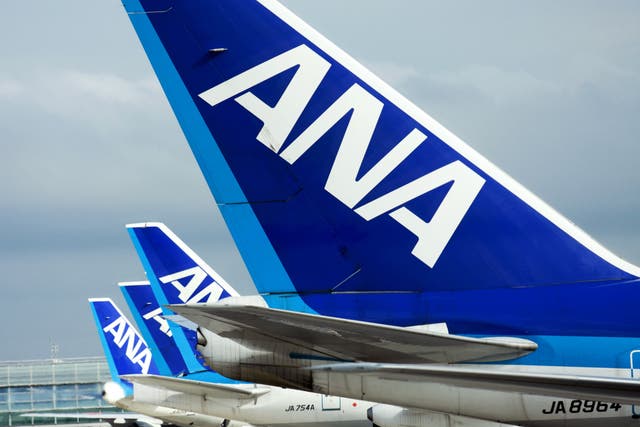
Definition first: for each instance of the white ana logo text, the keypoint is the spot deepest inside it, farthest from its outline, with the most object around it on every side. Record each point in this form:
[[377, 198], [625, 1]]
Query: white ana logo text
[[189, 293], [163, 323], [364, 110], [136, 351]]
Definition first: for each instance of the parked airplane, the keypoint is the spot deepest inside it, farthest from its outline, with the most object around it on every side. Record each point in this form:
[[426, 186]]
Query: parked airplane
[[209, 393], [354, 208], [159, 250], [180, 276], [128, 354]]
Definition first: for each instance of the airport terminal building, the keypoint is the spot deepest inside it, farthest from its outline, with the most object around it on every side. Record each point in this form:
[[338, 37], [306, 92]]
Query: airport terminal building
[[32, 392]]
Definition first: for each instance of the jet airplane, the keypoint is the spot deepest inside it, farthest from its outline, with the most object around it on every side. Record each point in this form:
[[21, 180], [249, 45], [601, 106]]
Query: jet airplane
[[364, 222]]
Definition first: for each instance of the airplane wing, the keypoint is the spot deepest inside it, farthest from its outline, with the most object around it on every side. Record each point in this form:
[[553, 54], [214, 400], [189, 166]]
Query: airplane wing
[[213, 390], [350, 340], [618, 390]]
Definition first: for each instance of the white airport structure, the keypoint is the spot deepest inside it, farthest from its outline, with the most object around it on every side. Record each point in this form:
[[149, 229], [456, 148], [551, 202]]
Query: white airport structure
[[33, 392]]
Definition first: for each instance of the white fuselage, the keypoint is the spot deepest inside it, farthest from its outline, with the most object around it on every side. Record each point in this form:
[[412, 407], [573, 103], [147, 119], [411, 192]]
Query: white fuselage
[[279, 406], [114, 394], [505, 406], [241, 361], [170, 415]]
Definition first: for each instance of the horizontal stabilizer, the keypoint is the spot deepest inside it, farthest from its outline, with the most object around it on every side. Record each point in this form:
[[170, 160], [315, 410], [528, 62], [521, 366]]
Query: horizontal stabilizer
[[607, 389], [352, 340], [212, 390], [181, 321]]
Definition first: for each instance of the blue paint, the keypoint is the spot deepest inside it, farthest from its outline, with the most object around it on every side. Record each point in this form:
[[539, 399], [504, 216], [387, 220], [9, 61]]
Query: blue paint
[[586, 352], [161, 256], [310, 229], [105, 347], [163, 347], [179, 336], [166, 355], [260, 257], [105, 313]]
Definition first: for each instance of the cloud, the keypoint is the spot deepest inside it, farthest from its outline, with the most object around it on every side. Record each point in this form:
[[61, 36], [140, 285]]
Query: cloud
[[395, 74], [79, 94], [495, 84], [111, 88], [90, 132], [9, 88]]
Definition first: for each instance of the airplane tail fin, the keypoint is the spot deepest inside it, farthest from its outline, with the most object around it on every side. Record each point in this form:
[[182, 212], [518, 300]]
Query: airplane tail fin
[[126, 351], [155, 329], [331, 182], [172, 265], [171, 357], [177, 275]]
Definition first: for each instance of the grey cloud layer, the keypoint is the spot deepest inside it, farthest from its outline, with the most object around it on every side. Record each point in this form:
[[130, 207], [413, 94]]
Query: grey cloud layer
[[549, 91]]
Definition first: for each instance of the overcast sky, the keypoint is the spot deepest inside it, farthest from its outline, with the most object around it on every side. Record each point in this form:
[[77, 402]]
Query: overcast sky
[[548, 90]]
